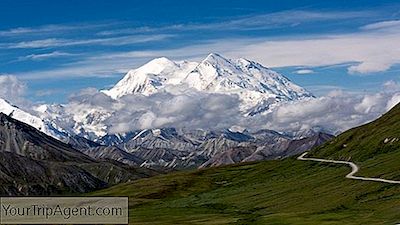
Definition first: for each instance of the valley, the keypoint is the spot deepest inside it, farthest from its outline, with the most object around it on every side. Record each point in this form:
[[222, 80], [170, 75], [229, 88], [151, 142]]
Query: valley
[[288, 191], [271, 192]]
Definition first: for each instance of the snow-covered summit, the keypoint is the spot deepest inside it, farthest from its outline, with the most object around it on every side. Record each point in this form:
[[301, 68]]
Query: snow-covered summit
[[257, 86], [151, 77]]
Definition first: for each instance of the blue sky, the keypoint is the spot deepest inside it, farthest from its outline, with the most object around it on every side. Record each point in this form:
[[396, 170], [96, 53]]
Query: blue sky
[[60, 47]]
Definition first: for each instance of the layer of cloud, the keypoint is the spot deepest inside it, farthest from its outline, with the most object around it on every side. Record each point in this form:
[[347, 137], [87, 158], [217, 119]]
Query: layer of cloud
[[365, 52], [336, 112], [250, 22], [384, 25], [284, 51], [370, 52], [191, 109], [32, 30], [51, 29], [56, 42]]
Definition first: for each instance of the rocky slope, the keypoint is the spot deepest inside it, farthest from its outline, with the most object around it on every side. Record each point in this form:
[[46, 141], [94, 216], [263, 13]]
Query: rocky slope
[[179, 149], [32, 163]]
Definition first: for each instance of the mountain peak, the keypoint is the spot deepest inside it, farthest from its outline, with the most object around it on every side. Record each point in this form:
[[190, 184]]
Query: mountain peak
[[257, 86], [215, 59], [151, 77], [160, 60], [214, 55], [156, 66], [245, 62]]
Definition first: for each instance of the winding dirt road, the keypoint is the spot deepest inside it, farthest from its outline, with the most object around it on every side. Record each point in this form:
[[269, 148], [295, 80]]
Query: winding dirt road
[[354, 169]]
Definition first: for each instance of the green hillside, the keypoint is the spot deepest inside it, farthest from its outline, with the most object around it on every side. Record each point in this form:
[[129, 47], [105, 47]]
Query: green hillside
[[375, 147], [281, 192]]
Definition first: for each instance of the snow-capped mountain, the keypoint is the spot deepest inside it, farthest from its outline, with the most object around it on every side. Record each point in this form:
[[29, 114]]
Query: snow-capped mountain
[[259, 90], [90, 120], [258, 87], [44, 126], [151, 77]]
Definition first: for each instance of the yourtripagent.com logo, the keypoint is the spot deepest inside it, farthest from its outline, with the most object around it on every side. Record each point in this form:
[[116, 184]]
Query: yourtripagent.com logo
[[64, 210]]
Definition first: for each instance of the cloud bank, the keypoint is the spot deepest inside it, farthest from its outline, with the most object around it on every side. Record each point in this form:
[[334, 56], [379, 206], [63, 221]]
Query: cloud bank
[[338, 111], [190, 109], [335, 112]]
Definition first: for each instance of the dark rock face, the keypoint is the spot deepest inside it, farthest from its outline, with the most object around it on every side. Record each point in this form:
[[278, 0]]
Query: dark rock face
[[32, 163], [25, 176]]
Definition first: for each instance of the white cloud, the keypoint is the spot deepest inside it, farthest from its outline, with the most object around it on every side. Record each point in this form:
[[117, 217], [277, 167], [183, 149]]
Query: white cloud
[[114, 41], [47, 92], [37, 57], [370, 52], [386, 25], [304, 71], [337, 111], [368, 103], [12, 89], [191, 109], [391, 86], [31, 30], [51, 29]]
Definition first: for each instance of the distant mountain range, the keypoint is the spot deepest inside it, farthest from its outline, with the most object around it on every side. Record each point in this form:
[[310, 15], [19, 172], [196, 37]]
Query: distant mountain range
[[258, 88], [173, 148]]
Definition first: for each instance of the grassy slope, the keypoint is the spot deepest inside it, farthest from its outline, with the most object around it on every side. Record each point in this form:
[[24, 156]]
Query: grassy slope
[[273, 192], [281, 192], [365, 145]]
